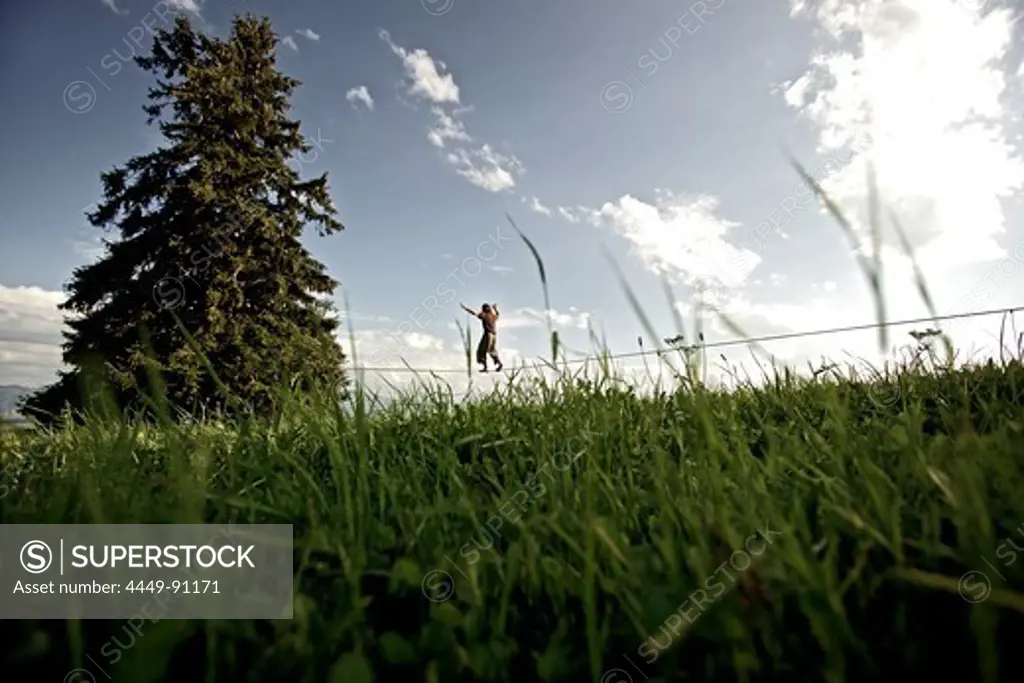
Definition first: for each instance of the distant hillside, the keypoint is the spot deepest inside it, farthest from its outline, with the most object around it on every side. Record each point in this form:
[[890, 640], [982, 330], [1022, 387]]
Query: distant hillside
[[10, 394]]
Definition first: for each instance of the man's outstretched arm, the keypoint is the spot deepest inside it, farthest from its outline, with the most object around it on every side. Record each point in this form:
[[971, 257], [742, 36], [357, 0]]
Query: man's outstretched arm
[[469, 310]]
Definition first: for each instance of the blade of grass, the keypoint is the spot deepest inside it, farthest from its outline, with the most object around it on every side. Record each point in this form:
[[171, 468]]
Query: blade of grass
[[638, 309], [876, 252], [921, 283], [866, 267], [544, 284]]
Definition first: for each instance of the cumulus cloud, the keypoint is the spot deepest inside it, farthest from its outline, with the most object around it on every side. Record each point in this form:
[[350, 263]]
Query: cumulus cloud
[[928, 81], [30, 314], [486, 168], [446, 127], [176, 5], [187, 5], [290, 42], [426, 76], [526, 317], [308, 34], [537, 206], [30, 335], [360, 94], [570, 214], [683, 238], [794, 92]]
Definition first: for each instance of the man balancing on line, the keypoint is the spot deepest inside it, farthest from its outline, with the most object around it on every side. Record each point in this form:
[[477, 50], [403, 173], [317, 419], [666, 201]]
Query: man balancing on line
[[489, 340]]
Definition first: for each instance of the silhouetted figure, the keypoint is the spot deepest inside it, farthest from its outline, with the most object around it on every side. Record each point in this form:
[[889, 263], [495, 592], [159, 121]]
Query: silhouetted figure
[[488, 346]]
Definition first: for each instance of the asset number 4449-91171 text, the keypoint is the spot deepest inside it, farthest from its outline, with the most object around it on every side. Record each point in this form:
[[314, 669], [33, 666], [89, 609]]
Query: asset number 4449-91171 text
[[183, 587]]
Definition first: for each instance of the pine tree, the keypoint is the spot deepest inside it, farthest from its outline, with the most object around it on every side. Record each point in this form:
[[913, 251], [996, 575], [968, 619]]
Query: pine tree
[[210, 226]]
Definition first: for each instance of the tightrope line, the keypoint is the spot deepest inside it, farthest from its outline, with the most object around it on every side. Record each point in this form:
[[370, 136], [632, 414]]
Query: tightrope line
[[716, 344]]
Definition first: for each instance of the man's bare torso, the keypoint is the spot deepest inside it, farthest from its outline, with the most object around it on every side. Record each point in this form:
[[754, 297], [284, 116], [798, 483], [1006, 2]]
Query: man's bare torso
[[490, 322]]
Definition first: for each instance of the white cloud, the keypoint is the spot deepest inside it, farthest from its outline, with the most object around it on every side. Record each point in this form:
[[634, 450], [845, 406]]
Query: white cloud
[[114, 8], [308, 34], [681, 238], [426, 76], [926, 79], [486, 168], [29, 365], [424, 342], [568, 214], [30, 314], [290, 42], [447, 127], [30, 335], [795, 92], [185, 6], [360, 94], [537, 206], [482, 166], [573, 319], [175, 5], [526, 317]]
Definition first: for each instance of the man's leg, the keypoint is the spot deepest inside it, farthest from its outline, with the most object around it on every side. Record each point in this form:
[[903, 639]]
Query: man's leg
[[493, 350], [481, 353]]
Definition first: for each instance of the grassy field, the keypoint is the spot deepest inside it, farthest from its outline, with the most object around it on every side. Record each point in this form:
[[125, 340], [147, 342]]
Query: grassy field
[[806, 530]]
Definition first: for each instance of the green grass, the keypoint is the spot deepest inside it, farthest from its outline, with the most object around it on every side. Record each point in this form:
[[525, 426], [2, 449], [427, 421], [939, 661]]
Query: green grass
[[884, 494], [877, 494]]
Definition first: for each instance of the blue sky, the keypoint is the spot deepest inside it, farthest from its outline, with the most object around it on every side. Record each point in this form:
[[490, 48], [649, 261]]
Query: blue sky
[[652, 130]]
